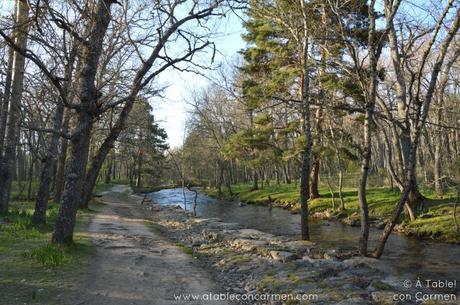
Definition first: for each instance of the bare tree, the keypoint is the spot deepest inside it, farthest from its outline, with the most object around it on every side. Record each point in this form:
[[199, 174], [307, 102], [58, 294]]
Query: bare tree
[[49, 160], [421, 103], [153, 65], [8, 161], [368, 79]]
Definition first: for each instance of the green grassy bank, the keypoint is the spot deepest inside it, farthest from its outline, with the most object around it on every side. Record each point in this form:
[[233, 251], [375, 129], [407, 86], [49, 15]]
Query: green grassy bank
[[434, 221], [32, 270]]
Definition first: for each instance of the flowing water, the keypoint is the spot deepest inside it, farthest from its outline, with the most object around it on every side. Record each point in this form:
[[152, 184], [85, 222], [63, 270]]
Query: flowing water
[[405, 258]]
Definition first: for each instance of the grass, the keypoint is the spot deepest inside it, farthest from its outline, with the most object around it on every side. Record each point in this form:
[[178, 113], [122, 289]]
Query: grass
[[185, 249], [51, 255], [435, 221], [103, 187], [32, 270], [20, 190], [153, 226]]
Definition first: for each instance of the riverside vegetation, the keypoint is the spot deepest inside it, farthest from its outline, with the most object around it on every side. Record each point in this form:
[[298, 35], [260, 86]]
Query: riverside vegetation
[[436, 221], [248, 261]]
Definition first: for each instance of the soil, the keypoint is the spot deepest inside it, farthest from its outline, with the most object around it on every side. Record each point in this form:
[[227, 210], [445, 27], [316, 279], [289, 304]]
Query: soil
[[134, 265]]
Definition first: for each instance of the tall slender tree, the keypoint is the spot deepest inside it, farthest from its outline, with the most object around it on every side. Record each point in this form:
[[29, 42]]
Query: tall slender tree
[[8, 160]]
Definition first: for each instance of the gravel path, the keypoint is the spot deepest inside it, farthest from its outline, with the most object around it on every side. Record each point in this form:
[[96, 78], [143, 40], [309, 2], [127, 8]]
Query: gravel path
[[134, 265]]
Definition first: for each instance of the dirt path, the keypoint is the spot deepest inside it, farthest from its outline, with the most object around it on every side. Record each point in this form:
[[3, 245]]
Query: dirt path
[[133, 265]]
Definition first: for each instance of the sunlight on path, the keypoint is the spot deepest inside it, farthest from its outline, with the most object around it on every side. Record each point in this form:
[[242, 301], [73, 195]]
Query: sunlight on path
[[133, 265]]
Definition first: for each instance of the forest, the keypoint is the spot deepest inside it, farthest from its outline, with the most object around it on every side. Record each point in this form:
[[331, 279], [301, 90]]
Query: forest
[[348, 99], [339, 113]]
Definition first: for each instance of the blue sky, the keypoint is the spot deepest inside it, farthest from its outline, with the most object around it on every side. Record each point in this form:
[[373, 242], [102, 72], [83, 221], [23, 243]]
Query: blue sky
[[171, 111]]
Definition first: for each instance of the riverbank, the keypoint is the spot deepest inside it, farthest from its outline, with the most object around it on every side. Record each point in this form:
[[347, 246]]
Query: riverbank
[[434, 222], [138, 190], [254, 263], [151, 189]]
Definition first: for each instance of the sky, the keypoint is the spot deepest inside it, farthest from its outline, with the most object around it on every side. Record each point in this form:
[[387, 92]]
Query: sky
[[171, 111]]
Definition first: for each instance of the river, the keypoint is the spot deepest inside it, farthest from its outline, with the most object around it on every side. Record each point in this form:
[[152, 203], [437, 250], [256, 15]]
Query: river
[[406, 258]]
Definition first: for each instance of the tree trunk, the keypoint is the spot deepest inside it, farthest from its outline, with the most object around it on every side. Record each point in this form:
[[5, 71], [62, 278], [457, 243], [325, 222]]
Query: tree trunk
[[255, 180], [414, 200], [262, 179], [64, 227], [220, 178], [8, 162], [61, 163], [30, 177], [314, 193], [340, 166], [49, 162], [110, 164], [130, 175], [21, 174], [287, 176], [41, 204], [437, 157], [139, 169], [363, 182], [277, 175], [107, 145], [53, 175], [233, 179], [409, 185], [389, 227], [305, 167], [228, 179], [342, 201], [87, 93], [108, 173], [420, 119], [6, 100], [115, 170], [371, 97]]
